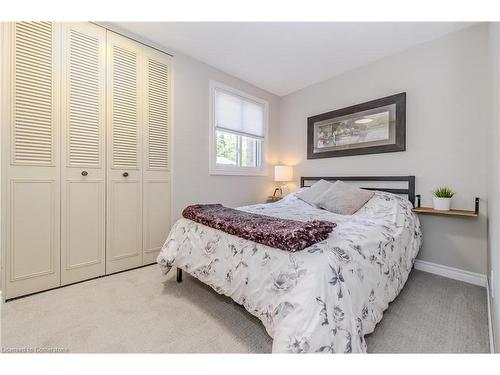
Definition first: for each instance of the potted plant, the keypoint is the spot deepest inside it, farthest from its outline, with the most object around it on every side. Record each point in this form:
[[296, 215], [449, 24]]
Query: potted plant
[[442, 198]]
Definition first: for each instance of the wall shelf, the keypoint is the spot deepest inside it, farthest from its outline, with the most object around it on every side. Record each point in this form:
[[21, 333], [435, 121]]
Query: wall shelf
[[456, 213], [432, 211]]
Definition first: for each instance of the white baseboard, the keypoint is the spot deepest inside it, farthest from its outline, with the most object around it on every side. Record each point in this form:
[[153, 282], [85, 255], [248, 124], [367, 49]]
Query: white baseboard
[[451, 273], [490, 324]]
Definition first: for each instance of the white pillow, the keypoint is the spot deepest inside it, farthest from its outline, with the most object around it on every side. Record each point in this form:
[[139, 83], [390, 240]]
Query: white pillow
[[343, 199], [311, 194]]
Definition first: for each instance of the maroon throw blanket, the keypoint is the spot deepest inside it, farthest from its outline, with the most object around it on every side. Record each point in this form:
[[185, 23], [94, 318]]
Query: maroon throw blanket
[[284, 234]]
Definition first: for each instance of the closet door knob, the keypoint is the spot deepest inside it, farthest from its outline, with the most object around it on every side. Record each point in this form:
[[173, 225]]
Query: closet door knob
[[125, 174], [84, 173]]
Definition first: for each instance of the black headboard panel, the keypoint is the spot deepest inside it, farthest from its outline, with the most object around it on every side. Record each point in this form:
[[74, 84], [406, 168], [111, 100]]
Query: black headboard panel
[[409, 191]]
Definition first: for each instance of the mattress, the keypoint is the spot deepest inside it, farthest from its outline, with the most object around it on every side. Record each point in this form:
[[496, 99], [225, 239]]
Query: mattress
[[322, 299]]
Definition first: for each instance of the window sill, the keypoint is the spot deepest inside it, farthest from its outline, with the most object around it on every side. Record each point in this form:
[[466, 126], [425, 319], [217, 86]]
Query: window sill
[[235, 172]]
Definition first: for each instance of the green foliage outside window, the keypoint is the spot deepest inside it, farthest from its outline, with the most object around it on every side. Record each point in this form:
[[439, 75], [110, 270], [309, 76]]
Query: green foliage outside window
[[226, 146]]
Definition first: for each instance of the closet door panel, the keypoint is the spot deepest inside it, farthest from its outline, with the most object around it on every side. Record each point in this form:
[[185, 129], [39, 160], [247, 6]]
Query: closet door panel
[[33, 228], [33, 130], [124, 233], [156, 173], [125, 230], [83, 173], [83, 227], [31, 156]]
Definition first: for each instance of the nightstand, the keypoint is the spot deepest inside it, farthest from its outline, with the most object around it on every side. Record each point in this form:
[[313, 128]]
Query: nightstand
[[273, 198]]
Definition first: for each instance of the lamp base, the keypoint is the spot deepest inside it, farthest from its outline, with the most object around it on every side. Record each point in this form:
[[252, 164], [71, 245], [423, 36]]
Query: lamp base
[[280, 191]]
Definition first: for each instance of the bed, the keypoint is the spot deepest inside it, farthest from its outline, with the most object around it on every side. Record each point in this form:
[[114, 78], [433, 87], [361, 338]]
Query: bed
[[325, 298]]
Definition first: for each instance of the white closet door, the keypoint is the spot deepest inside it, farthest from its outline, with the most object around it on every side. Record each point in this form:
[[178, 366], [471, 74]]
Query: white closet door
[[124, 216], [156, 171], [31, 162], [83, 172]]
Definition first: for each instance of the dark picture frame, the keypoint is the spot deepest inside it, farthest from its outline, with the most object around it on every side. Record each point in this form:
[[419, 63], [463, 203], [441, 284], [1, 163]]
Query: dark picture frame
[[392, 107]]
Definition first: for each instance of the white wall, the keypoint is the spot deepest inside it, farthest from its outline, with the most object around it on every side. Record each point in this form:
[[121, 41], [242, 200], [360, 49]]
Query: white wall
[[447, 86], [191, 180], [494, 187]]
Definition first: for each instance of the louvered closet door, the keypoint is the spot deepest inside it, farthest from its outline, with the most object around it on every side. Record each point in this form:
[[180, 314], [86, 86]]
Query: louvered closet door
[[156, 170], [124, 215], [31, 138], [83, 162]]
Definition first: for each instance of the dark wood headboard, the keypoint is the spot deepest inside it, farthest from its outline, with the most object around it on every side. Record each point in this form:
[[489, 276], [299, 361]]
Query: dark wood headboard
[[409, 190]]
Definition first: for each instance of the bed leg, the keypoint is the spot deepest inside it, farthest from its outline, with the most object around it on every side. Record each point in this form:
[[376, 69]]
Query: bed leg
[[179, 275]]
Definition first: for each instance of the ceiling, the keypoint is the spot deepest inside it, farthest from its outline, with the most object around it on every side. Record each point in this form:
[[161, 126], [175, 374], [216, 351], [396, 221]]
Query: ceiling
[[283, 57]]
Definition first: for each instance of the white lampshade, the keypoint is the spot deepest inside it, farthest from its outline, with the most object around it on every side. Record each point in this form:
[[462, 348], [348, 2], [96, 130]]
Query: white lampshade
[[283, 173]]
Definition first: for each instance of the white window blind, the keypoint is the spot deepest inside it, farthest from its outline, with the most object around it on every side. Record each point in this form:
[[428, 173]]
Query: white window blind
[[238, 114]]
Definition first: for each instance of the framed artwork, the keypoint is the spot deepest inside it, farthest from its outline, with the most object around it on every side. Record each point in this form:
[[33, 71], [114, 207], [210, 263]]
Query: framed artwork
[[373, 127]]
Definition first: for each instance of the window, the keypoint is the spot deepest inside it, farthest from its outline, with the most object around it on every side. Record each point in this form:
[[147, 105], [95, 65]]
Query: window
[[238, 132]]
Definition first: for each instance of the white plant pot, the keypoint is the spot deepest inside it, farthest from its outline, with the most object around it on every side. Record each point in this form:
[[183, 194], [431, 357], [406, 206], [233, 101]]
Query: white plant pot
[[441, 204]]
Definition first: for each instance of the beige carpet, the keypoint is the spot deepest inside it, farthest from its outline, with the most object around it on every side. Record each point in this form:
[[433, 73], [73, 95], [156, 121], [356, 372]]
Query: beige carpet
[[136, 311]]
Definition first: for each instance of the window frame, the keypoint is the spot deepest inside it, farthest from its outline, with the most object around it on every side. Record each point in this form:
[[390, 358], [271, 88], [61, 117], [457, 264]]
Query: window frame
[[217, 169]]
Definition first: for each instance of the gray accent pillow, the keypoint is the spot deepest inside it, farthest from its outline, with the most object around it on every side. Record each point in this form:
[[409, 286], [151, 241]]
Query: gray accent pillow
[[343, 199], [311, 194]]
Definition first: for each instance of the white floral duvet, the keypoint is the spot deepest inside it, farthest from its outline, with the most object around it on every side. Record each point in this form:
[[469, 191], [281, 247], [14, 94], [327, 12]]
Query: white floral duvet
[[324, 298]]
